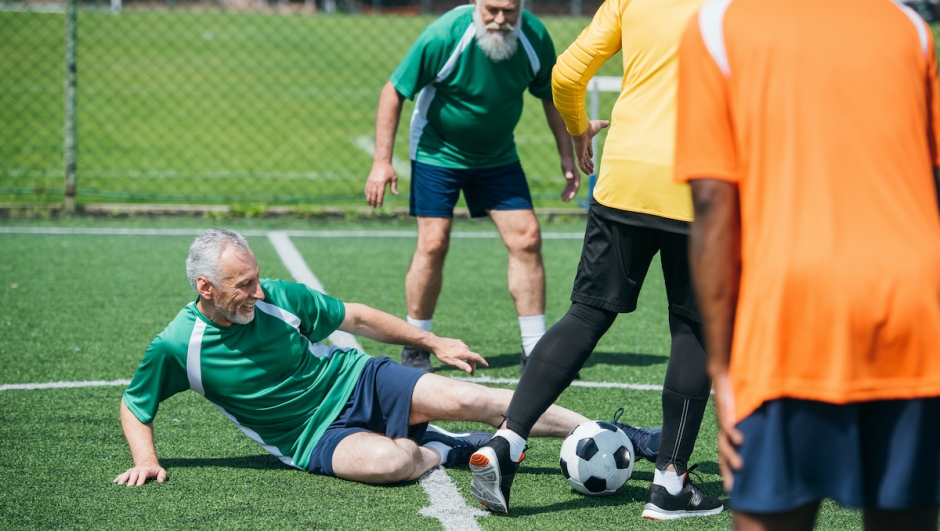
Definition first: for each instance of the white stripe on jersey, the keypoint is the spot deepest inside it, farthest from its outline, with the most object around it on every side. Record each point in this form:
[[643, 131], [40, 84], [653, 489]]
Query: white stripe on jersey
[[253, 435], [194, 357], [316, 348], [426, 95], [919, 24], [711, 18]]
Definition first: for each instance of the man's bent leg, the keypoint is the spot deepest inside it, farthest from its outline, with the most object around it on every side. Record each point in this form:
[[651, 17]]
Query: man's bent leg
[[439, 398], [526, 275], [376, 459]]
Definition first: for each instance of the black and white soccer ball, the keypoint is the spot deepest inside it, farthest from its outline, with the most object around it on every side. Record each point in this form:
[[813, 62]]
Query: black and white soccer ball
[[597, 458]]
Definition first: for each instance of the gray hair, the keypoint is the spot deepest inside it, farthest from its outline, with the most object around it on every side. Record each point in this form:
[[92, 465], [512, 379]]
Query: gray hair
[[204, 254]]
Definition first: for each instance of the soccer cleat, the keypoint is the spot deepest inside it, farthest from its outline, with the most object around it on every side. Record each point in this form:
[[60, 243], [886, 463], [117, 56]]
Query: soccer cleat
[[416, 359], [645, 440], [493, 471], [462, 445], [660, 505]]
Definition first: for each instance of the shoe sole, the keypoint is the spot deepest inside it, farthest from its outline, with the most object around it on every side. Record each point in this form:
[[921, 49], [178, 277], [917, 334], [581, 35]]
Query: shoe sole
[[655, 513], [487, 482]]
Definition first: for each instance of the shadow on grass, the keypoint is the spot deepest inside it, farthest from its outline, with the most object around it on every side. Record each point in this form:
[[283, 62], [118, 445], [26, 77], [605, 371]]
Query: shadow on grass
[[256, 462], [631, 359]]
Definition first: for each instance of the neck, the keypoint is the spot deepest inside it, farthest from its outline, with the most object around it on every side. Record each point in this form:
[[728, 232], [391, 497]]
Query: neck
[[208, 309]]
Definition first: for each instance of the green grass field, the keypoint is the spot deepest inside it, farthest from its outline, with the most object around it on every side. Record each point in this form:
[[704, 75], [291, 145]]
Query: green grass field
[[215, 106], [83, 306]]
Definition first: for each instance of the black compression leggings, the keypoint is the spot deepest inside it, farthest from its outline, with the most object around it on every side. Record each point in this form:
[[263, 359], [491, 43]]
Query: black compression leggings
[[565, 348]]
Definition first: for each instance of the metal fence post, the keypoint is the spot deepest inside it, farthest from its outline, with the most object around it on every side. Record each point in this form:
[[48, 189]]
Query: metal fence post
[[71, 82]]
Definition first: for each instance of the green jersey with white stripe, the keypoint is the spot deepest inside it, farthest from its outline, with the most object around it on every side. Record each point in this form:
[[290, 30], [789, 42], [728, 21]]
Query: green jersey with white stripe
[[271, 377], [467, 105]]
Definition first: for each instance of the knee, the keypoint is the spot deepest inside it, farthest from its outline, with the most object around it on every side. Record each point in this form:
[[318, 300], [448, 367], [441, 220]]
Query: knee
[[389, 464], [529, 241], [434, 246]]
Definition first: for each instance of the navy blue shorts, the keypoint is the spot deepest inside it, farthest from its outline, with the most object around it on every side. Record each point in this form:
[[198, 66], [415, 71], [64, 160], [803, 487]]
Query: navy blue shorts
[[380, 403], [878, 455], [435, 190]]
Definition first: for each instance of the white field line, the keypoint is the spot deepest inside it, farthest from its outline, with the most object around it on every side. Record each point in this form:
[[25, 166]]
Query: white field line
[[367, 144], [289, 233], [301, 272], [447, 504]]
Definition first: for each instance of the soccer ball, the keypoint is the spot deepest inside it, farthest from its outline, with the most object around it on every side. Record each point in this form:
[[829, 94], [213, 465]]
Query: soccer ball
[[597, 458]]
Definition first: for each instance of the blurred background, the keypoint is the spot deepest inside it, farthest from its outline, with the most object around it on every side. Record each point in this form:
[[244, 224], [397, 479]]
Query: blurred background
[[223, 101]]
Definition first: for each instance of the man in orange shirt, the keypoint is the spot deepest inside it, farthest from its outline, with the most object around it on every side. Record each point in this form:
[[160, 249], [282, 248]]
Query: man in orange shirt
[[810, 146]]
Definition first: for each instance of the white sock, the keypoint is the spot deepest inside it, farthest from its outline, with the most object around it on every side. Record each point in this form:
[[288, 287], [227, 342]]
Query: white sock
[[516, 443], [442, 449], [671, 480], [532, 329], [423, 324]]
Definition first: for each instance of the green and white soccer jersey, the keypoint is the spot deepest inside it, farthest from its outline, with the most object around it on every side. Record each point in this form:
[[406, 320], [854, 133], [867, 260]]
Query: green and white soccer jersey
[[467, 105], [271, 377]]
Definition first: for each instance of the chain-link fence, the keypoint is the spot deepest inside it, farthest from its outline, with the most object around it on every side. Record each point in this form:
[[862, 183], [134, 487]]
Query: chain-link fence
[[224, 101]]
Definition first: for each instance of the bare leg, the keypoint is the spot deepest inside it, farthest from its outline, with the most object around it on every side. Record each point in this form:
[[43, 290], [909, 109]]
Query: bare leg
[[920, 518], [520, 232], [426, 272], [439, 398], [801, 518], [376, 459]]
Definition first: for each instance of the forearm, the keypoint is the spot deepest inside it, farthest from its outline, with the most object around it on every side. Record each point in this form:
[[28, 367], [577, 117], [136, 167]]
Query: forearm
[[386, 122], [559, 131], [715, 260], [377, 325], [139, 438]]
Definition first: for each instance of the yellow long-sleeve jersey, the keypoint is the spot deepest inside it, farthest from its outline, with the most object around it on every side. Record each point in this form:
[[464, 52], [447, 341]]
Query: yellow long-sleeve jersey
[[636, 170]]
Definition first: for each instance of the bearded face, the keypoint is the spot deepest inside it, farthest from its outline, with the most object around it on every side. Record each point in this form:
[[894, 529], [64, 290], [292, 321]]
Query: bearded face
[[497, 28]]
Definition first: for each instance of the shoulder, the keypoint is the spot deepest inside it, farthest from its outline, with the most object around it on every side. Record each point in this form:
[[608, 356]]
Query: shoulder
[[535, 30], [450, 26]]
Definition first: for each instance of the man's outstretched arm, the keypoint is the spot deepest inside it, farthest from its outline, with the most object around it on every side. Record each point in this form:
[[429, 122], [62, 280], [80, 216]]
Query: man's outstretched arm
[[362, 320], [386, 124], [563, 143], [140, 440]]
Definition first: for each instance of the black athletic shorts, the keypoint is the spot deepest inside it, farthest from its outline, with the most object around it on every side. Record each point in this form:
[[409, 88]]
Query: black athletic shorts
[[616, 257]]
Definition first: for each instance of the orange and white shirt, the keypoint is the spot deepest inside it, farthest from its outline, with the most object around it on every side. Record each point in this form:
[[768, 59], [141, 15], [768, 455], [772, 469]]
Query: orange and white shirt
[[825, 116], [636, 165]]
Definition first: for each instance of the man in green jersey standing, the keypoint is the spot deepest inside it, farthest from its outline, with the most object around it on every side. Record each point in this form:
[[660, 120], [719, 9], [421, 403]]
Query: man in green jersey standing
[[251, 347], [468, 72]]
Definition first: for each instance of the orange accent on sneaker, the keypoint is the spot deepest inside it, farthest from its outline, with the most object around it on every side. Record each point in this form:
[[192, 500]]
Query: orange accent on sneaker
[[521, 458], [479, 460]]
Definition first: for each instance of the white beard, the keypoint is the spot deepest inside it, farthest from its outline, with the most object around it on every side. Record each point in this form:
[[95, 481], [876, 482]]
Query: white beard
[[496, 46]]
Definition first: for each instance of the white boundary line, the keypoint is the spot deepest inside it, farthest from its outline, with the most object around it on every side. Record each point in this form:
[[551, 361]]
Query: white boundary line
[[289, 233]]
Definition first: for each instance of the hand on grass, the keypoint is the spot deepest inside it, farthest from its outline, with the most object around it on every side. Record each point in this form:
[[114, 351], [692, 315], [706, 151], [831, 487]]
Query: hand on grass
[[456, 353], [729, 437], [139, 475]]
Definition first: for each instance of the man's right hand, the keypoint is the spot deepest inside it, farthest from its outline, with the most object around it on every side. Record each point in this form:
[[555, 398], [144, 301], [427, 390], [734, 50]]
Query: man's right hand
[[382, 174], [139, 475]]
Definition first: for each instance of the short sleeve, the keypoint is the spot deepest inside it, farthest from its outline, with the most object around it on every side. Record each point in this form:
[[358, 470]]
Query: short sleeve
[[421, 63], [541, 85], [705, 141], [933, 100], [319, 314], [160, 376]]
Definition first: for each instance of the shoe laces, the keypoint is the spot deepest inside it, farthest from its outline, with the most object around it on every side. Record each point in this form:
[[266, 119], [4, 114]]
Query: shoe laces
[[637, 435], [699, 483]]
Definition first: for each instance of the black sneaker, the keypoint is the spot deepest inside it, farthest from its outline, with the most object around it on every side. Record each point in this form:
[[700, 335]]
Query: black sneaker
[[645, 440], [660, 505], [462, 445], [416, 358], [493, 471]]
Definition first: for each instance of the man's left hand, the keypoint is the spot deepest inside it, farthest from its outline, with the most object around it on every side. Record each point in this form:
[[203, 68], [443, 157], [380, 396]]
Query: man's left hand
[[456, 353], [572, 180]]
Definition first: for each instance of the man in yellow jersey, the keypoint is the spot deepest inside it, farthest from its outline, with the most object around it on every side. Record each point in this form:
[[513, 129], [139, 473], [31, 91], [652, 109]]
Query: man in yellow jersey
[[637, 210], [468, 72], [808, 132]]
